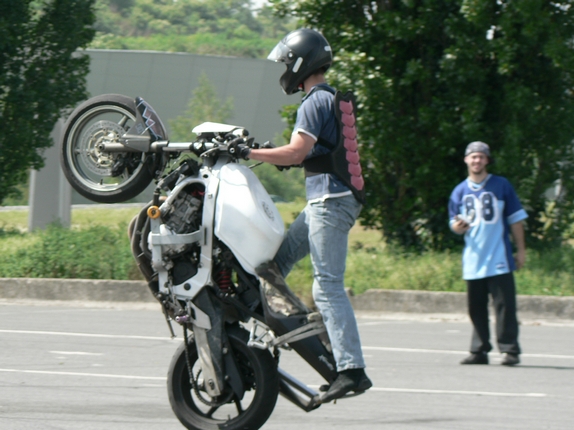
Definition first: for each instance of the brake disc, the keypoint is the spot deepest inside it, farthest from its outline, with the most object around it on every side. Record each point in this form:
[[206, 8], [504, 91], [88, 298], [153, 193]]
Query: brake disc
[[88, 148]]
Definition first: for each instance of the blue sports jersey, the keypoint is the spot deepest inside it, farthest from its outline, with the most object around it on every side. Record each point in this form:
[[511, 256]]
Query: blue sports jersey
[[491, 207], [316, 118]]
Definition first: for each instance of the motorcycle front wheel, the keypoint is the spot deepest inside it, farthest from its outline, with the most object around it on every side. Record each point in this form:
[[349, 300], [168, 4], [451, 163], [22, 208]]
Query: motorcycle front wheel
[[196, 410], [104, 177]]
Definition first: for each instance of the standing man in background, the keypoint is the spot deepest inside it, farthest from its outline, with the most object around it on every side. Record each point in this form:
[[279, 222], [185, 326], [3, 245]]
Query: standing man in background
[[486, 209]]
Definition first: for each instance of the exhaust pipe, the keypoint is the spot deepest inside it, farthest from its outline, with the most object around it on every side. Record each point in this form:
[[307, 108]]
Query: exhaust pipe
[[297, 392]]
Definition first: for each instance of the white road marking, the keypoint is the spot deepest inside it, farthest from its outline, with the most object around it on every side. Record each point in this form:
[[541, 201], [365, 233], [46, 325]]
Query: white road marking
[[467, 393], [548, 356], [452, 392], [376, 389], [446, 351], [75, 353], [432, 351], [366, 348], [110, 336], [94, 375]]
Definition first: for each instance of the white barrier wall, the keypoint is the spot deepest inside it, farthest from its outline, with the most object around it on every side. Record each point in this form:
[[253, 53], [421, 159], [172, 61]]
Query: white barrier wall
[[166, 81], [50, 194]]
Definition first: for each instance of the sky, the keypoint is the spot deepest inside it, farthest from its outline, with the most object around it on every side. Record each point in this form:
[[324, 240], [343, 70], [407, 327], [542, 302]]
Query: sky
[[258, 3]]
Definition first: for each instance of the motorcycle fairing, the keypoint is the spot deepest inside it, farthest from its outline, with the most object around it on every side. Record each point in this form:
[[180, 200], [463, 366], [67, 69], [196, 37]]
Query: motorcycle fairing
[[281, 319], [209, 346], [147, 129], [187, 289], [246, 218], [153, 124], [218, 365], [279, 298], [217, 128]]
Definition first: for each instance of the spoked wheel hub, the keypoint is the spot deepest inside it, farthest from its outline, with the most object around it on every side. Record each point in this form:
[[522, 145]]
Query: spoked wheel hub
[[92, 142]]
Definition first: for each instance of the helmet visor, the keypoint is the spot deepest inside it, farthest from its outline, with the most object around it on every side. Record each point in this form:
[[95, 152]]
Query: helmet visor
[[281, 54]]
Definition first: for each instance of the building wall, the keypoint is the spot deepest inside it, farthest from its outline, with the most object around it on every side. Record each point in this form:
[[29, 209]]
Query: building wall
[[166, 81]]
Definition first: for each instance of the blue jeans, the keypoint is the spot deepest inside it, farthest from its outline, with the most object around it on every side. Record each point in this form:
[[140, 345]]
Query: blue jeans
[[322, 230]]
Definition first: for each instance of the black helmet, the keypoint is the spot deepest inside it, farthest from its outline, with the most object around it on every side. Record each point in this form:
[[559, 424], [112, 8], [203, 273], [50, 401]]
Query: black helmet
[[304, 51]]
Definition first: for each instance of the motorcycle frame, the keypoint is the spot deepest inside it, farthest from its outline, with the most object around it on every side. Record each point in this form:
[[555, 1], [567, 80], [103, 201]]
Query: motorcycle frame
[[188, 290]]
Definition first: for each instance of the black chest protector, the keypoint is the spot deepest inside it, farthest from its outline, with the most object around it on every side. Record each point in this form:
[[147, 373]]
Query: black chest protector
[[343, 160]]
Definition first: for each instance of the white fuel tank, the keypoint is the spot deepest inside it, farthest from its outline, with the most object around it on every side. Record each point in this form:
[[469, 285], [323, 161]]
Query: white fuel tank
[[246, 218]]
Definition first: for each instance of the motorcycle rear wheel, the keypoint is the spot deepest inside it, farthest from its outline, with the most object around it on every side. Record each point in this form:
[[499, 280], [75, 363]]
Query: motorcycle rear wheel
[[261, 381], [100, 176]]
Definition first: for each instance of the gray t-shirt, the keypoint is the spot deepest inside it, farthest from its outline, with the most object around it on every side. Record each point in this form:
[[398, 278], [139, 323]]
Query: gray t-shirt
[[316, 118]]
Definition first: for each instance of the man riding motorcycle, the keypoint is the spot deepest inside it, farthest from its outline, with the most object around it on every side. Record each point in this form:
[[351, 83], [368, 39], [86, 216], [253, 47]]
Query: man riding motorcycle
[[334, 198]]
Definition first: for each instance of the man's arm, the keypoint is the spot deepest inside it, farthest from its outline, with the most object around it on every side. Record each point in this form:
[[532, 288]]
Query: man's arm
[[517, 230], [292, 153], [457, 224]]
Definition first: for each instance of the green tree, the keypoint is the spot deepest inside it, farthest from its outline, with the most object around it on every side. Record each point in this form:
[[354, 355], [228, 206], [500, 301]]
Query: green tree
[[204, 105], [432, 76], [216, 27], [41, 74]]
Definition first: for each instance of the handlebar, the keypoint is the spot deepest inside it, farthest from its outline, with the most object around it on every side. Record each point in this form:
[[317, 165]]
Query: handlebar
[[203, 148]]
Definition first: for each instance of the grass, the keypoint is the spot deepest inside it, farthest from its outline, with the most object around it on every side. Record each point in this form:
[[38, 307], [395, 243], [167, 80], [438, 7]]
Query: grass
[[97, 247], [82, 217]]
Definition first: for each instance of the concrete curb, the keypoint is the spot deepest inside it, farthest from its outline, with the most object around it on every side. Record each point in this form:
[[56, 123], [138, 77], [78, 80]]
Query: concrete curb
[[75, 290], [407, 301], [404, 301]]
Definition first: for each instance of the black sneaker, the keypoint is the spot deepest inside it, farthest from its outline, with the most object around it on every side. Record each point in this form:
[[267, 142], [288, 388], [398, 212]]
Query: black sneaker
[[509, 359], [476, 358], [348, 380]]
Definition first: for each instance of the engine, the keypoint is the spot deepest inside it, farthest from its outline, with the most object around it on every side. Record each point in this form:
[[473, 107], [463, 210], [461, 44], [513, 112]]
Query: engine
[[183, 216]]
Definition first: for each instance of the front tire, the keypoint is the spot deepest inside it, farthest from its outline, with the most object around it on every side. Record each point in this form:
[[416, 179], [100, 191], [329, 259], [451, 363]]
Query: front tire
[[104, 177], [260, 378]]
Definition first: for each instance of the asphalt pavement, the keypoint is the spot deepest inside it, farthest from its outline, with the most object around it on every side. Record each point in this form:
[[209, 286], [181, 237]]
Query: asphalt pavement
[[87, 365]]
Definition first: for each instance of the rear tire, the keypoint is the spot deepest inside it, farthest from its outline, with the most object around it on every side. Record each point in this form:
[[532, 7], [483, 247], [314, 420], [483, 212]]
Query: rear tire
[[260, 379], [104, 177]]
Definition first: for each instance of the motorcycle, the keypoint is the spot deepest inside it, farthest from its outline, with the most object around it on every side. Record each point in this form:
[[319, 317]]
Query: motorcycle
[[205, 244]]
